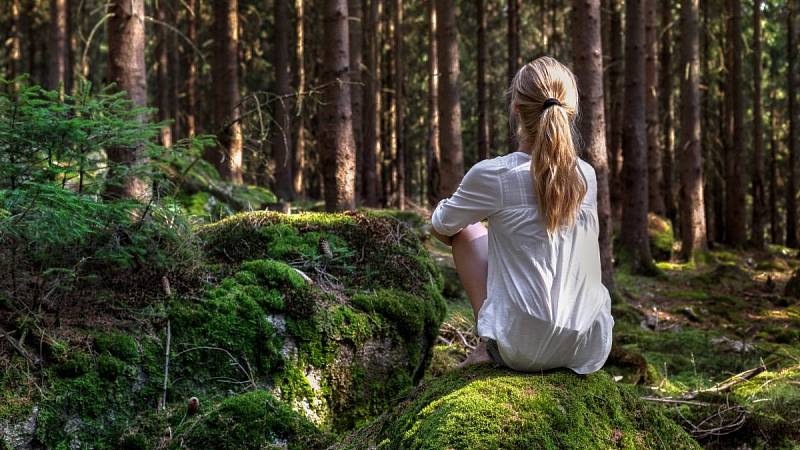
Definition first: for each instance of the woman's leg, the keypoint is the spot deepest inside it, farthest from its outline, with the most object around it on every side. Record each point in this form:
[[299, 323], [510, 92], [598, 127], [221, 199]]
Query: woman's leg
[[471, 257]]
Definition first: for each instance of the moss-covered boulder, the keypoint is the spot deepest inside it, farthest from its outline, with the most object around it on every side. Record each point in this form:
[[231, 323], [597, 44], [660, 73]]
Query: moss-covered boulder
[[487, 408], [659, 230]]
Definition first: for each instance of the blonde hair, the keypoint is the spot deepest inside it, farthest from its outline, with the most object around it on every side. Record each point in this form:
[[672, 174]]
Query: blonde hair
[[544, 104]]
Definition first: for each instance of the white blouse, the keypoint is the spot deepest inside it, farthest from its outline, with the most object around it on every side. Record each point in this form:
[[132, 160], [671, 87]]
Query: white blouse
[[546, 305]]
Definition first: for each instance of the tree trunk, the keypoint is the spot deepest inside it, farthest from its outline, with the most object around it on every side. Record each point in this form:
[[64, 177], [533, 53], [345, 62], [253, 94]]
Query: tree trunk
[[452, 157], [483, 129], [59, 45], [587, 55], [227, 157], [163, 74], [338, 155], [667, 112], [774, 218], [655, 177], [399, 106], [191, 69], [692, 210], [433, 154], [14, 49], [355, 27], [759, 200], [791, 92], [281, 139], [299, 153], [174, 71], [126, 68], [634, 143], [513, 60], [735, 177], [369, 178], [616, 88]]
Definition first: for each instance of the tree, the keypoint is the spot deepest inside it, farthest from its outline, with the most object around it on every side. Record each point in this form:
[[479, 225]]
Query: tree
[[655, 199], [634, 143], [299, 152], [513, 57], [483, 126], [59, 46], [587, 54], [692, 209], [369, 178], [191, 70], [759, 195], [667, 112], [281, 139], [735, 181], [399, 107], [433, 154], [616, 89], [337, 146], [356, 30], [450, 146], [163, 73], [126, 69], [227, 156], [791, 93]]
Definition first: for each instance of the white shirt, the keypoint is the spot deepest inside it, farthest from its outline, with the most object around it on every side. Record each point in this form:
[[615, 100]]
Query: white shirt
[[546, 306]]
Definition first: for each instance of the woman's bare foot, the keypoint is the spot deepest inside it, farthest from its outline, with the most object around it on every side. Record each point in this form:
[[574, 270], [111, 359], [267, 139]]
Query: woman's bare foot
[[478, 355]]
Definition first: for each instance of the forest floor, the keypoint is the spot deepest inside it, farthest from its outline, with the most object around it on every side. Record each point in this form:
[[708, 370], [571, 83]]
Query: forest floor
[[693, 330]]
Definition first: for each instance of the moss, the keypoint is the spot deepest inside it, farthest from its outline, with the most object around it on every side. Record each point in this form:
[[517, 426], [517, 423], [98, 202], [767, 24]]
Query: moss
[[488, 408], [253, 420], [661, 237], [119, 345]]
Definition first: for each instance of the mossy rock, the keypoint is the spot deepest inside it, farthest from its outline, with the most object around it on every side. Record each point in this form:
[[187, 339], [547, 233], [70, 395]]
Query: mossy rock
[[487, 408], [659, 230]]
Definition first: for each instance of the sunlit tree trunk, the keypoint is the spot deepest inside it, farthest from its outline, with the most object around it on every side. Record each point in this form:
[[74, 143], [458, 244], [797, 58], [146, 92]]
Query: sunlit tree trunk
[[191, 69], [299, 152], [399, 107], [452, 157], [655, 178], [59, 45], [356, 30], [759, 200]]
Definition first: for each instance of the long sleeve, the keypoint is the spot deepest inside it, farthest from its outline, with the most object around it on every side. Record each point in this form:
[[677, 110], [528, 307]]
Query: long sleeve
[[478, 196]]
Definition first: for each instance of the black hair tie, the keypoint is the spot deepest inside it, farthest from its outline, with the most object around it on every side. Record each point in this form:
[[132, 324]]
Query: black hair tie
[[550, 102]]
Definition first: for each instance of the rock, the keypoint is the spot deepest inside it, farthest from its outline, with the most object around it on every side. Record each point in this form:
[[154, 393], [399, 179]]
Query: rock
[[793, 285], [483, 407], [659, 229]]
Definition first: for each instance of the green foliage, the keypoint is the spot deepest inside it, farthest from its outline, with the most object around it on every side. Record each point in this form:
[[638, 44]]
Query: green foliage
[[661, 237], [254, 420], [485, 408]]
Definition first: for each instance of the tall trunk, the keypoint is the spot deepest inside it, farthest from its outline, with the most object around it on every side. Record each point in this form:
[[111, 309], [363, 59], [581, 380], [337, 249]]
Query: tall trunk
[[126, 68], [174, 78], [587, 55], [791, 92], [299, 153], [14, 48], [483, 129], [735, 177], [163, 74], [667, 113], [616, 88], [774, 219], [399, 95], [450, 146], [281, 139], [355, 27], [759, 200], [191, 69], [634, 143], [338, 155], [433, 154], [227, 157], [372, 93], [692, 210], [513, 60], [655, 199], [59, 45]]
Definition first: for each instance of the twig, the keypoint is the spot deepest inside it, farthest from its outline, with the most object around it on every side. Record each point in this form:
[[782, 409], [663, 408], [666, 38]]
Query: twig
[[168, 291], [675, 401]]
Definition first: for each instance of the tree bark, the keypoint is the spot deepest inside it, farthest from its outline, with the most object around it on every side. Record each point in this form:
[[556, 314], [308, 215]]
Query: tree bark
[[14, 49], [371, 124], [433, 154], [655, 176], [191, 69], [759, 200], [616, 88], [774, 218], [59, 45], [735, 176], [163, 74], [337, 127], [299, 152], [513, 60], [634, 143], [126, 68], [692, 210], [452, 157], [668, 113], [399, 107], [483, 128], [791, 92], [355, 27], [281, 139], [227, 156], [587, 55]]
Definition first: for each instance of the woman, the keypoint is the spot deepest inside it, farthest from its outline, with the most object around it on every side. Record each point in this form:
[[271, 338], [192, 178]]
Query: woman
[[534, 278]]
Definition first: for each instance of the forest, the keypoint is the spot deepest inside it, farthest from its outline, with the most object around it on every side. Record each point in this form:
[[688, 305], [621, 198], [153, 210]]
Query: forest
[[215, 222]]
